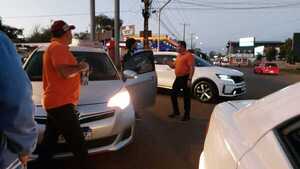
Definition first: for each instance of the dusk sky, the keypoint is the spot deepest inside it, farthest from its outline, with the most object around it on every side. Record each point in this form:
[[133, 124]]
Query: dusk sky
[[213, 21]]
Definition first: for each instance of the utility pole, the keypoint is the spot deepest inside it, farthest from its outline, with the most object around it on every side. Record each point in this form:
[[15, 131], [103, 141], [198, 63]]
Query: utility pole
[[117, 33], [184, 25], [159, 14], [192, 36], [146, 15], [92, 15]]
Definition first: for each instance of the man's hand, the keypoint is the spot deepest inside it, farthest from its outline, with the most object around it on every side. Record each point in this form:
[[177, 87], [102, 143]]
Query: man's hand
[[170, 63], [84, 66], [24, 158]]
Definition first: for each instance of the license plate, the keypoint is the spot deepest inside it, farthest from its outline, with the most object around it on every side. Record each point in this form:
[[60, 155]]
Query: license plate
[[87, 132]]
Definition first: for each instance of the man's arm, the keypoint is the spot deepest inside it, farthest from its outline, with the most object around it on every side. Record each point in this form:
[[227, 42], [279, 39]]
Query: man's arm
[[69, 71], [170, 64]]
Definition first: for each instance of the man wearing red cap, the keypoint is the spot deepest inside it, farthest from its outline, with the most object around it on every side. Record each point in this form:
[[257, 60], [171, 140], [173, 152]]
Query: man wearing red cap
[[61, 84]]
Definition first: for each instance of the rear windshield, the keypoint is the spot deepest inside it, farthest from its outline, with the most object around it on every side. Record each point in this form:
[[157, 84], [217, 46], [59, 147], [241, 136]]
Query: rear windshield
[[271, 64], [100, 65]]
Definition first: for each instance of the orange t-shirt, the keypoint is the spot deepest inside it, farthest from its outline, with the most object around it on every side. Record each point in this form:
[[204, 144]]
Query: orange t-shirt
[[183, 63], [59, 91]]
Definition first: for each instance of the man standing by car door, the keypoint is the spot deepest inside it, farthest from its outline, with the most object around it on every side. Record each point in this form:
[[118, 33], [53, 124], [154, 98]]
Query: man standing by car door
[[61, 84], [184, 71]]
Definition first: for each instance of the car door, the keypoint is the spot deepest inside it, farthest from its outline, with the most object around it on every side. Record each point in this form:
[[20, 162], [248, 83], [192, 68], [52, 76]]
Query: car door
[[142, 88], [165, 74]]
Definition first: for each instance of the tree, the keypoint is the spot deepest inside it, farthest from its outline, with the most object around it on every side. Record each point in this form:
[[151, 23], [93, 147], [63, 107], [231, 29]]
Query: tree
[[40, 35], [286, 48], [259, 57], [271, 53], [82, 35], [13, 33], [104, 23], [212, 54]]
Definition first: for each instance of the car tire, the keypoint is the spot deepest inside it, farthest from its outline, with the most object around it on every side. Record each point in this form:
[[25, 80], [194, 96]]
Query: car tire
[[205, 91]]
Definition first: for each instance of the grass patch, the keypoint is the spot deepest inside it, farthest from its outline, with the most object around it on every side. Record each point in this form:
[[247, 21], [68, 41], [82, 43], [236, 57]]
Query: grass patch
[[292, 71]]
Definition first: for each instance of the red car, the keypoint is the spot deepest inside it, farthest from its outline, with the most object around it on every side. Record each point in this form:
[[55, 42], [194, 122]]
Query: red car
[[267, 68]]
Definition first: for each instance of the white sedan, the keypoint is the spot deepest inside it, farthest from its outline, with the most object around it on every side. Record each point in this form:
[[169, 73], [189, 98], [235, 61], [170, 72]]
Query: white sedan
[[209, 82], [260, 134], [107, 104]]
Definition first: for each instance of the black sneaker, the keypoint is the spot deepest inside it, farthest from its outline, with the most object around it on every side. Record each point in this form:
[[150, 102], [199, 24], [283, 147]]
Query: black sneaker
[[185, 118], [173, 115]]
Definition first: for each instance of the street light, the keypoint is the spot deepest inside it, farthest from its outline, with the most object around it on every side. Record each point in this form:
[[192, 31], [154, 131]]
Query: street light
[[159, 11]]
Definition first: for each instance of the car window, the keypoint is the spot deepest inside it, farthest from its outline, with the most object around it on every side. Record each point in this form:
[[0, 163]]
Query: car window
[[141, 62], [162, 59], [271, 64], [199, 62], [100, 66], [289, 137]]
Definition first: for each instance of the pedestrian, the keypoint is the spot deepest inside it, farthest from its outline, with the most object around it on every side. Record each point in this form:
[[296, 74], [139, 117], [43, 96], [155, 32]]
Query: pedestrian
[[131, 45], [61, 90], [184, 71], [18, 130]]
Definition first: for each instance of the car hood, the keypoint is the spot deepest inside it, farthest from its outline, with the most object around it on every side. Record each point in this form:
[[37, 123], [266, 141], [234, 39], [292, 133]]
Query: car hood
[[222, 70], [94, 93]]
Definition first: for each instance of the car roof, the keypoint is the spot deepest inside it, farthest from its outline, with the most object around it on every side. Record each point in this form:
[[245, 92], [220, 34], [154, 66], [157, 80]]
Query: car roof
[[269, 112], [78, 48], [165, 53]]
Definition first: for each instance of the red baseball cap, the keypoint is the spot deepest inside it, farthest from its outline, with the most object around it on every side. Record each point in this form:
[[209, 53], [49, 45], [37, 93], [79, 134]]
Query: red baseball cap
[[61, 25]]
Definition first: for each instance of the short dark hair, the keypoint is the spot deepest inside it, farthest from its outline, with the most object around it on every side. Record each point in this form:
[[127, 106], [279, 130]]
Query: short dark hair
[[182, 43], [130, 42]]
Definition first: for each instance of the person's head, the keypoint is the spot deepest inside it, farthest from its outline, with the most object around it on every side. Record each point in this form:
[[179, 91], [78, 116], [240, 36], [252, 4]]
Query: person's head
[[181, 47], [61, 29], [131, 43]]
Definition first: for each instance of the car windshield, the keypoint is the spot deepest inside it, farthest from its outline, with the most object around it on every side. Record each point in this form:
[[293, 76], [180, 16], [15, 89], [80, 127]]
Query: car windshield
[[271, 65], [199, 62], [100, 65]]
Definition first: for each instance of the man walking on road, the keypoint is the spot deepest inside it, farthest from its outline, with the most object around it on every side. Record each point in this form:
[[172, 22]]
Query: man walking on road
[[61, 84], [184, 71]]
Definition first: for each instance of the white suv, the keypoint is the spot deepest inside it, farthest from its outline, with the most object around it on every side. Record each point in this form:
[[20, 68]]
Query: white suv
[[209, 82]]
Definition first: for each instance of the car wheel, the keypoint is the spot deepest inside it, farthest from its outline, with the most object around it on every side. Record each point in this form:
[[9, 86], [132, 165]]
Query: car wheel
[[205, 91]]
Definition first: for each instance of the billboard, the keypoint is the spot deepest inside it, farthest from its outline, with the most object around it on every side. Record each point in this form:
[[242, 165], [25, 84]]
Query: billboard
[[128, 30], [247, 42]]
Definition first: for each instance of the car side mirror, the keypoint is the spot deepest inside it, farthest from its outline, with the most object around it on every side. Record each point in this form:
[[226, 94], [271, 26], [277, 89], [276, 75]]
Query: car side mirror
[[129, 74]]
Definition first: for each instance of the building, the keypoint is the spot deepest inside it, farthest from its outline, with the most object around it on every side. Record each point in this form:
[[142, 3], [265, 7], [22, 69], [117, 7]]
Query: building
[[243, 55]]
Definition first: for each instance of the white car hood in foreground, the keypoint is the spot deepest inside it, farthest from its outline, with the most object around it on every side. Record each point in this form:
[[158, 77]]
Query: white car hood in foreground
[[96, 92], [225, 71]]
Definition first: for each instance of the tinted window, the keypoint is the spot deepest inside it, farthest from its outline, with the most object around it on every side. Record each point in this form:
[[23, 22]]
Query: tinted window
[[101, 67], [162, 59], [289, 137], [199, 62], [141, 62], [271, 64]]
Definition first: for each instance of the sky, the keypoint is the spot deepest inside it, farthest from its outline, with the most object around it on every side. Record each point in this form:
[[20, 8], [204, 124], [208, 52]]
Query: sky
[[212, 22]]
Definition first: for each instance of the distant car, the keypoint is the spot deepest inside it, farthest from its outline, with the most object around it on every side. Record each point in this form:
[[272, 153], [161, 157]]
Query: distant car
[[261, 134], [209, 82], [267, 68], [108, 103], [225, 63]]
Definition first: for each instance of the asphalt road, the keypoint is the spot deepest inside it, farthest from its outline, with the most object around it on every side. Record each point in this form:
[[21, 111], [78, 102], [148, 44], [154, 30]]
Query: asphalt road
[[163, 143]]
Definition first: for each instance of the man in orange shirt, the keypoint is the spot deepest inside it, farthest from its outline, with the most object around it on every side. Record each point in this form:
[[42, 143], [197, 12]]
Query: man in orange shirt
[[61, 84], [184, 71]]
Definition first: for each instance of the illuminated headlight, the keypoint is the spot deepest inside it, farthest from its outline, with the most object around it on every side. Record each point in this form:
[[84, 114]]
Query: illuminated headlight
[[225, 77], [121, 100]]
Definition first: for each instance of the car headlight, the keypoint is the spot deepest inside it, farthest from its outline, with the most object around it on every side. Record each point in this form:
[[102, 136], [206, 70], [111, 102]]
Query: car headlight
[[121, 100], [225, 77]]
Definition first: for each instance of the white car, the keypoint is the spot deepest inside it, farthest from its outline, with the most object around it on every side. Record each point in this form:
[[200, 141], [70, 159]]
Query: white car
[[260, 134], [108, 103], [209, 82]]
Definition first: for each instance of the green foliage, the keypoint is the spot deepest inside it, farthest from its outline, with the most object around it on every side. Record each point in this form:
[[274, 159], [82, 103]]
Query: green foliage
[[13, 33], [40, 35], [286, 49], [259, 57], [271, 53], [105, 23]]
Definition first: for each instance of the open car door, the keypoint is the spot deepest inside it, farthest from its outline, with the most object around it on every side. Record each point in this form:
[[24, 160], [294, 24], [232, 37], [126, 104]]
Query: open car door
[[142, 87]]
